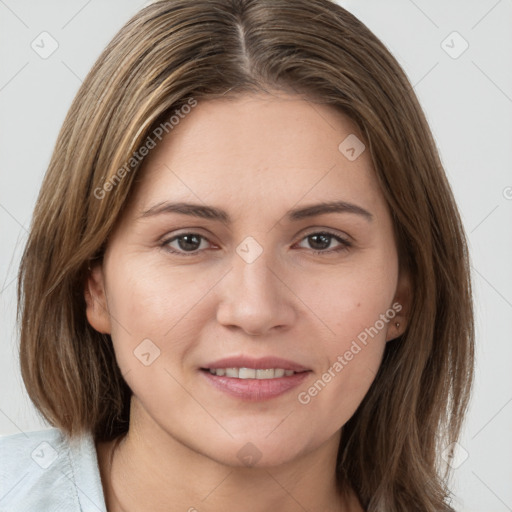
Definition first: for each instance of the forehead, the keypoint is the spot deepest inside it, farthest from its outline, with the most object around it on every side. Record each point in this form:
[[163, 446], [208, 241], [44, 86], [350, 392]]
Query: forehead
[[257, 150]]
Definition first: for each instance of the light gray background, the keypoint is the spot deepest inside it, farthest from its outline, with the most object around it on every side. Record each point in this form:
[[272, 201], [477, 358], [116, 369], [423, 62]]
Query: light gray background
[[467, 100]]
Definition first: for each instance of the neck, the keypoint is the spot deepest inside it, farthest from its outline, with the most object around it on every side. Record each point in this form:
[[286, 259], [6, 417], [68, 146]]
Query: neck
[[148, 469]]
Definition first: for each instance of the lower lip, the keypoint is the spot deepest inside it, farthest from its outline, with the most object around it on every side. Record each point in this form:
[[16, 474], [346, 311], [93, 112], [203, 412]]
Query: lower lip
[[255, 389]]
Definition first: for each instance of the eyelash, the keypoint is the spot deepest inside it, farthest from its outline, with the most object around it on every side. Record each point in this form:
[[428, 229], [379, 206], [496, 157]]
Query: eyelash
[[345, 244]]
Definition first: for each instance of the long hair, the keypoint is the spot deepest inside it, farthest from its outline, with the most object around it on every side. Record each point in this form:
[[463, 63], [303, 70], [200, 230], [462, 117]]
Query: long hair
[[171, 53]]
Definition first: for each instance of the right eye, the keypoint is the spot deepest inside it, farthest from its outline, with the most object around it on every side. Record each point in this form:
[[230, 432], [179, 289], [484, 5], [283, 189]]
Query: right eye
[[185, 244]]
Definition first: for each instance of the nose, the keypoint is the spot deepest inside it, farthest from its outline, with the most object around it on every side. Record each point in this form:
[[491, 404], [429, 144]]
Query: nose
[[255, 297]]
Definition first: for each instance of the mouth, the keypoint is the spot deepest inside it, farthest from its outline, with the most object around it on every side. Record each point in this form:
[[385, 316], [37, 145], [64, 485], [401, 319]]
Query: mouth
[[254, 379], [251, 373]]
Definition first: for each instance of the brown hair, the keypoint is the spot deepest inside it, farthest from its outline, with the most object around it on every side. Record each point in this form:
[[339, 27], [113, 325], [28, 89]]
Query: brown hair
[[175, 50]]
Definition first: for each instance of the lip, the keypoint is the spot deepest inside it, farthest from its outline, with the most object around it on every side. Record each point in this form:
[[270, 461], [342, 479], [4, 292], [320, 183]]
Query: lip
[[262, 363], [255, 389]]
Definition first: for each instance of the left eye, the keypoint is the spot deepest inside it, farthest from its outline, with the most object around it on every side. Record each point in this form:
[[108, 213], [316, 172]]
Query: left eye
[[320, 241], [188, 244]]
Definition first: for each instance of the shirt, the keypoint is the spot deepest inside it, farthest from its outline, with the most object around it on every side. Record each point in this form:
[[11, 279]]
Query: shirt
[[42, 471]]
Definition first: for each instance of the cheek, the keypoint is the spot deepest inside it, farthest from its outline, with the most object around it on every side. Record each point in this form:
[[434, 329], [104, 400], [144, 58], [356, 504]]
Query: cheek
[[154, 310], [355, 307], [352, 360], [136, 307], [349, 299], [146, 298]]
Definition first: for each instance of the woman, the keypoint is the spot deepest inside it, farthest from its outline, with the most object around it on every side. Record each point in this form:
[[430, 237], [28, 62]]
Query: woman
[[246, 283]]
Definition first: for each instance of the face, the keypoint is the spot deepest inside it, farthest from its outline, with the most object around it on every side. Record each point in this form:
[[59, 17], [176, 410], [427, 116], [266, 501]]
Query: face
[[254, 273]]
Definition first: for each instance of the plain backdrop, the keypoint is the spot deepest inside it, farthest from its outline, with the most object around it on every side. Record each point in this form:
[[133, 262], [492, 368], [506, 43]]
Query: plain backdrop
[[457, 55]]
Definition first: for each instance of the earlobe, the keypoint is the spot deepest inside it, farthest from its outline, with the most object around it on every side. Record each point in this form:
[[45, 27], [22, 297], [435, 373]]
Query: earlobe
[[97, 312], [401, 306], [395, 330]]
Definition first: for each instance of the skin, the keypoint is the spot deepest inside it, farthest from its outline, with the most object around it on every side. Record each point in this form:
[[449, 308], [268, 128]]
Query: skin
[[256, 156]]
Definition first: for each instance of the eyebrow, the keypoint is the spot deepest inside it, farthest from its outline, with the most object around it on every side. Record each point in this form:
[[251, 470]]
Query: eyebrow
[[296, 214]]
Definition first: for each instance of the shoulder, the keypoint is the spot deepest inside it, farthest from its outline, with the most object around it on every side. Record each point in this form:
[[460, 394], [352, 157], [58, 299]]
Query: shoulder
[[45, 470]]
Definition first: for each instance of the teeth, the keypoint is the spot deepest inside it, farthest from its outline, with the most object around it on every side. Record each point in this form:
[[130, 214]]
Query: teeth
[[231, 372], [250, 373], [264, 374], [246, 373]]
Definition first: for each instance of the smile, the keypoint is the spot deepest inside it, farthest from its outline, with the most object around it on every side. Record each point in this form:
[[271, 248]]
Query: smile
[[250, 384], [251, 373]]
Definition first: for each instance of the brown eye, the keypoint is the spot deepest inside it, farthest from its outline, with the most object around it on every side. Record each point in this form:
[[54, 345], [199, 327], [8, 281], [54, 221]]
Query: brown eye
[[185, 243], [322, 241]]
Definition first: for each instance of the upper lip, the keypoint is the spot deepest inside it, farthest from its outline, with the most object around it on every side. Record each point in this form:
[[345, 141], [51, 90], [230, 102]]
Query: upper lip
[[262, 363]]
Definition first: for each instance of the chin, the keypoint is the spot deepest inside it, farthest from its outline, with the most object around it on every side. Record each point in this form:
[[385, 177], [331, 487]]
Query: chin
[[259, 452]]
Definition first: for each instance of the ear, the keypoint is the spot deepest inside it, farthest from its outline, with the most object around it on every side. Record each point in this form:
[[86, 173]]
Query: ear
[[401, 305], [96, 300]]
